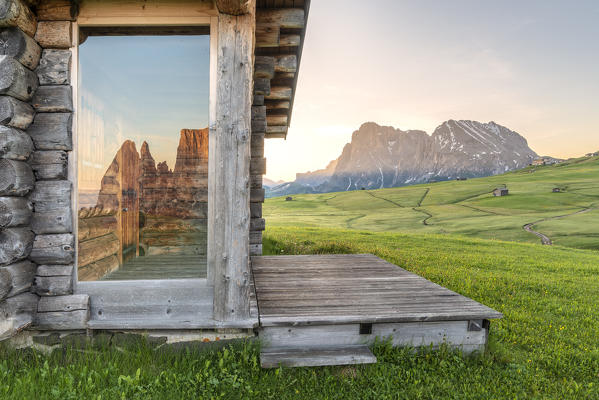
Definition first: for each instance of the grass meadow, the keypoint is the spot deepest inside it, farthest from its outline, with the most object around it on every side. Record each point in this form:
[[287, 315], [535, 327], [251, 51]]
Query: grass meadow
[[453, 233], [464, 207], [546, 346]]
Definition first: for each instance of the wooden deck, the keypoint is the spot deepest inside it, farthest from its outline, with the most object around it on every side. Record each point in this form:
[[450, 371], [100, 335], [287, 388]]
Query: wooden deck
[[362, 288], [318, 304]]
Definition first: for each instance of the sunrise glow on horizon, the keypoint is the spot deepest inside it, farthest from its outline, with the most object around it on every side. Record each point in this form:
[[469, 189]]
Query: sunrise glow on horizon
[[530, 66]]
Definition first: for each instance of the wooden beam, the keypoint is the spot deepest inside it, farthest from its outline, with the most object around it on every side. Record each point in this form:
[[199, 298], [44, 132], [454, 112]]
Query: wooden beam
[[50, 164], [20, 46], [15, 244], [275, 120], [286, 63], [14, 211], [16, 178], [228, 246], [236, 7], [57, 10], [258, 119], [277, 105], [258, 166], [53, 249], [16, 278], [257, 195], [52, 204], [257, 224], [51, 131], [276, 132], [63, 312], [279, 93], [15, 144], [282, 17], [16, 80], [54, 67], [267, 35], [54, 98], [17, 313], [262, 86], [289, 40], [264, 67], [54, 34], [258, 100], [53, 280], [15, 113], [17, 13]]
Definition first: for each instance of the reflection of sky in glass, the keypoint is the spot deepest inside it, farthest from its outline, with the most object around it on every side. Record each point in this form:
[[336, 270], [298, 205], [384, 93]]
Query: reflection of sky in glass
[[141, 88]]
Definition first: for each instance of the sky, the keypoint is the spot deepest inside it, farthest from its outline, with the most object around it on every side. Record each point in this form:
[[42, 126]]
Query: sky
[[139, 88], [532, 66]]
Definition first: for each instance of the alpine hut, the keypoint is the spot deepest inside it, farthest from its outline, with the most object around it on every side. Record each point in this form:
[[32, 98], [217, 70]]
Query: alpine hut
[[131, 162]]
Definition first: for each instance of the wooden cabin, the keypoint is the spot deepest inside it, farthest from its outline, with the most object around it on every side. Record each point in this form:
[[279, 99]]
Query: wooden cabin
[[131, 162], [501, 192]]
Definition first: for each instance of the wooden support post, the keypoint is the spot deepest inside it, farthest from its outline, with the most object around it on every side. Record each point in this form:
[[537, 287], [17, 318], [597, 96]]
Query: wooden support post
[[229, 203]]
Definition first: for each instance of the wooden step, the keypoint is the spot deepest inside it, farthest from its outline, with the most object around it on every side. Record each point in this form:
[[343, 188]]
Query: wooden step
[[274, 357]]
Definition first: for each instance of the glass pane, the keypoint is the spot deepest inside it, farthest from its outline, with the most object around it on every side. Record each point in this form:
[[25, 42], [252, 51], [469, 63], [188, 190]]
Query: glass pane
[[143, 157]]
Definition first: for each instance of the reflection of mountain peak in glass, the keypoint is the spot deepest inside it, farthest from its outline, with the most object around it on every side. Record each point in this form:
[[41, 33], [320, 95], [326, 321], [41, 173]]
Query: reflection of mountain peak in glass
[[159, 211], [181, 192]]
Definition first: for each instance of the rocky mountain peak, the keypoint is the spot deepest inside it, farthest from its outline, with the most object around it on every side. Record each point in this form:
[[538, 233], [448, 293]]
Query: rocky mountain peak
[[383, 156]]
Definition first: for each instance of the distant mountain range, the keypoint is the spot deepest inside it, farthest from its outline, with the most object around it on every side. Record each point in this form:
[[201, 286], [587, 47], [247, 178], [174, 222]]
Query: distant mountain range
[[382, 156]]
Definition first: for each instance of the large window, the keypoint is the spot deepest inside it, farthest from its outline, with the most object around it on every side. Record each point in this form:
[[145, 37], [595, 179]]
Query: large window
[[142, 161]]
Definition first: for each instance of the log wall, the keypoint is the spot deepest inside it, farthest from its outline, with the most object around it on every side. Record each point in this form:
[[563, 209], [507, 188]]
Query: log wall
[[36, 227], [19, 56], [52, 198]]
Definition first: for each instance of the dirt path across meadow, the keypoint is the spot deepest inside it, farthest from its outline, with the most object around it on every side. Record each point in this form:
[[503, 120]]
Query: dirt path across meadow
[[546, 240]]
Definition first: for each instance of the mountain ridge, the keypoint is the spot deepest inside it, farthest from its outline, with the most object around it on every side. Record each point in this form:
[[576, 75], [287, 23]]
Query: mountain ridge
[[383, 156]]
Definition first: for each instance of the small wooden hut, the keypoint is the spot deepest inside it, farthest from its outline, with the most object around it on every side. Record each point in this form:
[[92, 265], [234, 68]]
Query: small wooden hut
[[501, 192], [99, 234]]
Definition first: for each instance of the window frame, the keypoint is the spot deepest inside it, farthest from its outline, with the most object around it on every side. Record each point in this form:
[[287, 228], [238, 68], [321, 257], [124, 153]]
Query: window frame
[[92, 287]]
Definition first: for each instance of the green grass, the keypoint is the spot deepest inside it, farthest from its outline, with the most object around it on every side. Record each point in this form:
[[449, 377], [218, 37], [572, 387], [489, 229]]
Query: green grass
[[545, 347], [463, 207]]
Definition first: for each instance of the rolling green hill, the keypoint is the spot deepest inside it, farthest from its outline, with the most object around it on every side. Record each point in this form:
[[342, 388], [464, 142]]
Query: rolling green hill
[[569, 218]]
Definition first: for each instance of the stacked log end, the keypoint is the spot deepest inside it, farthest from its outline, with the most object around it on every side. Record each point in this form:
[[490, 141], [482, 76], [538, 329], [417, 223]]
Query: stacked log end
[[278, 43], [19, 56], [262, 68], [37, 247], [52, 220]]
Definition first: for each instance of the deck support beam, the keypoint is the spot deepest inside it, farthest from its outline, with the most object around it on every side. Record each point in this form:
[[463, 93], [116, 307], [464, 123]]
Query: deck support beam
[[229, 190]]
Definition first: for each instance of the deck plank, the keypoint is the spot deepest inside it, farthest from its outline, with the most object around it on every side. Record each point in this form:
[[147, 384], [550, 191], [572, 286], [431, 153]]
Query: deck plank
[[315, 357], [352, 288]]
